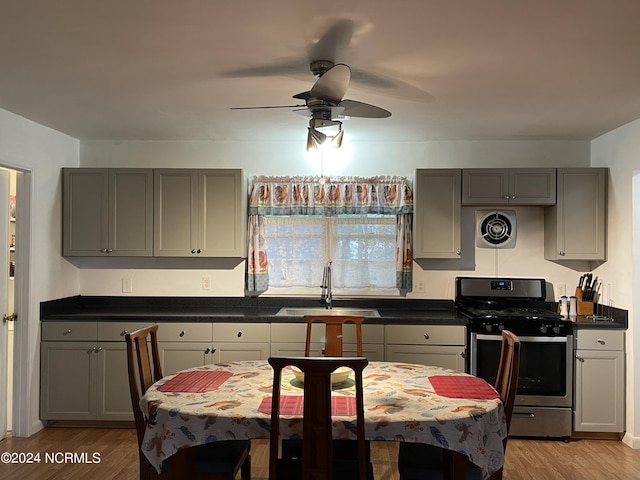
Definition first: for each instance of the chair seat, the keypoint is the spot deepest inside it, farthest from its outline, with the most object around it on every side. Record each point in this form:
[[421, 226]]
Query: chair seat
[[418, 461], [292, 448], [343, 469], [219, 457]]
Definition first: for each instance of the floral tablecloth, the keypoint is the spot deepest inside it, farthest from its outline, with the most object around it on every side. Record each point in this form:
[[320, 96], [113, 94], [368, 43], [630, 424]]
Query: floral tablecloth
[[401, 404]]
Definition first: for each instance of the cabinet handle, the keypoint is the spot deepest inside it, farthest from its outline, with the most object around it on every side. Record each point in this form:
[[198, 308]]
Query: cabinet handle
[[458, 252], [214, 350], [123, 333], [506, 197], [426, 336], [98, 349], [182, 333], [199, 251], [580, 359], [561, 253], [239, 334], [67, 332], [600, 341], [463, 354], [103, 250], [193, 251], [109, 250], [207, 350]]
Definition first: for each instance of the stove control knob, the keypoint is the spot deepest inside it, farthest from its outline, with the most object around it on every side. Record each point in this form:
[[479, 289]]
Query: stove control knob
[[543, 329], [500, 327], [556, 329], [488, 327]]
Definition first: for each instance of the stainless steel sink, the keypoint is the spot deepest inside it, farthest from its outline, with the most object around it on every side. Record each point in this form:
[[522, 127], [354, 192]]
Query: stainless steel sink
[[299, 312]]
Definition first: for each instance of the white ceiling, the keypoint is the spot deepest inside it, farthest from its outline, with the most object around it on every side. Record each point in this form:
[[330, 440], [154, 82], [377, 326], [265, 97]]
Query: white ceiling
[[446, 69]]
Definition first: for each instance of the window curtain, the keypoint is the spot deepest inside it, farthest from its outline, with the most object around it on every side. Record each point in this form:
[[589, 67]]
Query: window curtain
[[285, 196]]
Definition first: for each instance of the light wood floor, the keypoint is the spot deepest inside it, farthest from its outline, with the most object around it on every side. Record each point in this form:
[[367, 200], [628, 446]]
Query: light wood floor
[[526, 459]]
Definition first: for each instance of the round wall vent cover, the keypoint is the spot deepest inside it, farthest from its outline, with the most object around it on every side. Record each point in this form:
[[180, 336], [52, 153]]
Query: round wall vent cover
[[495, 228]]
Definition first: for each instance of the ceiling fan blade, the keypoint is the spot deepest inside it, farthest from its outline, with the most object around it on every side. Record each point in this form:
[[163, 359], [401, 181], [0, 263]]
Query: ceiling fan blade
[[334, 41], [266, 106], [353, 108], [333, 84]]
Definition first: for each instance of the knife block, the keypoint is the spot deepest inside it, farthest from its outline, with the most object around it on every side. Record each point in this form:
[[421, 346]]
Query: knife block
[[583, 308]]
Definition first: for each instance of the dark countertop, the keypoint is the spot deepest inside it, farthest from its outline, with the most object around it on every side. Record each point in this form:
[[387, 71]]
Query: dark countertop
[[263, 310], [222, 309]]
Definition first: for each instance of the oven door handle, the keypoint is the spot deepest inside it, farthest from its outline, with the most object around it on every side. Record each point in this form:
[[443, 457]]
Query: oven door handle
[[541, 339]]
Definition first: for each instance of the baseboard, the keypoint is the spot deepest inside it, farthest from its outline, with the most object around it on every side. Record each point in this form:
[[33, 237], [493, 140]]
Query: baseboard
[[36, 427], [631, 441]]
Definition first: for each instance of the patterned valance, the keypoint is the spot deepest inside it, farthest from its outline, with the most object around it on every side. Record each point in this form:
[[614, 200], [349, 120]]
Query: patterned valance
[[330, 196]]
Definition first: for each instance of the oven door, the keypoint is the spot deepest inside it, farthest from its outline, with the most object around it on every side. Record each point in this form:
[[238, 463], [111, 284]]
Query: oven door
[[545, 376]]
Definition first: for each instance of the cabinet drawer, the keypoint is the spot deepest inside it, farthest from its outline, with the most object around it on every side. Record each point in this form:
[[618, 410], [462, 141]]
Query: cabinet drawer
[[297, 332], [241, 332], [69, 331], [600, 340], [185, 332], [426, 334], [115, 331]]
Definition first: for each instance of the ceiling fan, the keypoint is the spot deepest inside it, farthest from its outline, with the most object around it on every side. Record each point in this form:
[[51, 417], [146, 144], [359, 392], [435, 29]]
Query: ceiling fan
[[324, 103]]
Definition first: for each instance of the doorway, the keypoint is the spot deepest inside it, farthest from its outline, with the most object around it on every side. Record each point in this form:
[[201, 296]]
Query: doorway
[[7, 275]]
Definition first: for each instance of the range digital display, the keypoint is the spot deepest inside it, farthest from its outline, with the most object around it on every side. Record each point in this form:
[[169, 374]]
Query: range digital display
[[501, 285]]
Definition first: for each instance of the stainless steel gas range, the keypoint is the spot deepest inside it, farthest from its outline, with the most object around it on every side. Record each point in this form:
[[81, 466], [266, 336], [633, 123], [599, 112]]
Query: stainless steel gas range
[[545, 382]]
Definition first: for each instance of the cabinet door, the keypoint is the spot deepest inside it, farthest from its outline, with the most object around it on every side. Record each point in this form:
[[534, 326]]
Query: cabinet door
[[131, 212], [176, 356], [437, 214], [484, 186], [236, 352], [575, 227], [85, 220], [221, 214], [599, 386], [175, 212], [112, 396], [532, 186], [439, 356], [68, 380]]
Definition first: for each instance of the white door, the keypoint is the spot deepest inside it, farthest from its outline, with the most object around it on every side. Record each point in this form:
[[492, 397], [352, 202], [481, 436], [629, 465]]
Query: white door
[[4, 280]]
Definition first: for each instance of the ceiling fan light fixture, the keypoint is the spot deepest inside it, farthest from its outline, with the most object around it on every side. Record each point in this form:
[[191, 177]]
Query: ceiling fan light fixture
[[316, 138]]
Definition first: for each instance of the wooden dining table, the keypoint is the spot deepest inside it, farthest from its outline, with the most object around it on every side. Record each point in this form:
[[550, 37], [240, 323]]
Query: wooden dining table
[[403, 402]]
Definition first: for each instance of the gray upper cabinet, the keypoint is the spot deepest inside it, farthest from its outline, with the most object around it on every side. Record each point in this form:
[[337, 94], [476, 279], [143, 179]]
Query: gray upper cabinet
[[575, 227], [499, 186], [199, 213], [107, 212], [437, 213]]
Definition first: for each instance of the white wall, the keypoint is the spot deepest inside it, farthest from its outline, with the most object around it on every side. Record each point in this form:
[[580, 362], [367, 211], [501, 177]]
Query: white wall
[[385, 158], [620, 151], [27, 146]]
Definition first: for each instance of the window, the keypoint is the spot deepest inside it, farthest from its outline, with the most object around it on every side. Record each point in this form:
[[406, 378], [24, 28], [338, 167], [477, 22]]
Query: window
[[361, 248]]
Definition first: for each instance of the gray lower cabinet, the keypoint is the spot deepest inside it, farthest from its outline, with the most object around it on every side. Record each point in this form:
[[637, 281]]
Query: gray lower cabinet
[[506, 186], [199, 213], [575, 227], [439, 345], [83, 377], [437, 210], [107, 212], [599, 381], [188, 345]]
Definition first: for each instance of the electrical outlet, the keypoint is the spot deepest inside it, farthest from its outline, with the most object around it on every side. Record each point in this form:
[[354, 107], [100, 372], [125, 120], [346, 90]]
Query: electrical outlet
[[127, 285], [206, 283], [419, 287]]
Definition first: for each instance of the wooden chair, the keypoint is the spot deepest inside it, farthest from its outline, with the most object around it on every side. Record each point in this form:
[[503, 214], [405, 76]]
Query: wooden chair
[[213, 461], [292, 448], [419, 461], [333, 333], [317, 462]]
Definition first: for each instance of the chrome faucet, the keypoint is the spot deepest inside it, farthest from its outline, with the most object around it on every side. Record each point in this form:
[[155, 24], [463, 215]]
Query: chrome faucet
[[326, 293]]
